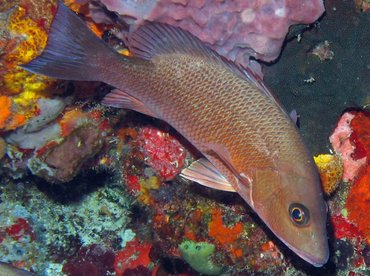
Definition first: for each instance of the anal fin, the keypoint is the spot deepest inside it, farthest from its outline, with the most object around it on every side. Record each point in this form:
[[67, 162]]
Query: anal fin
[[120, 99], [203, 172]]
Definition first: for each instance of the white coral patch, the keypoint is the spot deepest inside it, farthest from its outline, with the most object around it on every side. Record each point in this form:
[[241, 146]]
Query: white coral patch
[[281, 12], [248, 15]]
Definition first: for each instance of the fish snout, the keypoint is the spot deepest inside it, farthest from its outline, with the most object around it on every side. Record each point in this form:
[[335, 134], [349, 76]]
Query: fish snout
[[320, 259], [317, 253]]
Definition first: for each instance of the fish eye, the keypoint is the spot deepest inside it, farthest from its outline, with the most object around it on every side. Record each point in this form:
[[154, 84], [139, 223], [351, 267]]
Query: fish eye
[[299, 214]]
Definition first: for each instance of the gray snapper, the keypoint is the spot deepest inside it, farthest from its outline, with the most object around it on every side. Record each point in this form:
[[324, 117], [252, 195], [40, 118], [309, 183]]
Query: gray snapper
[[249, 143]]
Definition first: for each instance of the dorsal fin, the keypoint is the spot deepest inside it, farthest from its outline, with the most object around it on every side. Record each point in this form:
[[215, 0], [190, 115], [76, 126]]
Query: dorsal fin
[[154, 39], [256, 80]]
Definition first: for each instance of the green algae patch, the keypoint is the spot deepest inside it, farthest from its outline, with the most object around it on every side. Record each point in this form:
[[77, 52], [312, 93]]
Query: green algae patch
[[198, 255]]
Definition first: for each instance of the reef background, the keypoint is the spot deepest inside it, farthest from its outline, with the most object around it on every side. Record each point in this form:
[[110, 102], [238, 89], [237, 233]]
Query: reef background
[[103, 196], [339, 83]]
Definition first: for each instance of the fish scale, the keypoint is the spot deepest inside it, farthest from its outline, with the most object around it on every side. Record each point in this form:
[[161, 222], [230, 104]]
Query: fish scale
[[241, 124], [249, 143], [238, 124]]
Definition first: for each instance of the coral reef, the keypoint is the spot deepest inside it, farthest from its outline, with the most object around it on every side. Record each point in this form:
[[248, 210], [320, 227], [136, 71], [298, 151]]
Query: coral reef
[[17, 237], [134, 256], [44, 234], [199, 255], [25, 26], [162, 152], [351, 220], [331, 171], [224, 235], [119, 206], [36, 132], [62, 145], [358, 203], [9, 120], [90, 260], [61, 161], [359, 151], [350, 141]]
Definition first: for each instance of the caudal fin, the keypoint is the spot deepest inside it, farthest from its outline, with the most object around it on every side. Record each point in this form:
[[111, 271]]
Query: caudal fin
[[73, 52]]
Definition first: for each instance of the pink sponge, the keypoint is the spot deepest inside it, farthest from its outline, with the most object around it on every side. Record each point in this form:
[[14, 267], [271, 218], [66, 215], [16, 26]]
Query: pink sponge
[[343, 144], [236, 29]]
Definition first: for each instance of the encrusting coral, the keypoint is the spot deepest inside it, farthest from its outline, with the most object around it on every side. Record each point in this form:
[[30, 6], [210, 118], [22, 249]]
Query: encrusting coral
[[331, 171], [25, 27], [199, 256]]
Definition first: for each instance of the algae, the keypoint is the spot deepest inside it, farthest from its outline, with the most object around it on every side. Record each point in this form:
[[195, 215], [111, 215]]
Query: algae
[[199, 256]]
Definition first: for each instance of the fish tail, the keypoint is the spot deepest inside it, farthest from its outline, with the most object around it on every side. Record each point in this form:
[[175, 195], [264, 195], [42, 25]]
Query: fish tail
[[73, 52]]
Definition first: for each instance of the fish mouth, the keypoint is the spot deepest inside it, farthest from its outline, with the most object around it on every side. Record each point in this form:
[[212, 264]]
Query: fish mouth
[[317, 260]]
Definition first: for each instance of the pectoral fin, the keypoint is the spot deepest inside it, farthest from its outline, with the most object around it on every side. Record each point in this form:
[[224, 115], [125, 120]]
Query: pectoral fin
[[295, 117], [242, 181], [203, 172]]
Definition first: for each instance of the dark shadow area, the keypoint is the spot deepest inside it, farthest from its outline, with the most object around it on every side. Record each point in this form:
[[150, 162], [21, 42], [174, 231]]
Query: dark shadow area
[[335, 84], [73, 191]]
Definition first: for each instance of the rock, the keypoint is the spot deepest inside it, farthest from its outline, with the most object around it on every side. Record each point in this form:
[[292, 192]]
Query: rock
[[62, 161]]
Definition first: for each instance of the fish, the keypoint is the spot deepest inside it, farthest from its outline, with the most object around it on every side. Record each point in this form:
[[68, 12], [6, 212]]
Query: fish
[[10, 270], [249, 143]]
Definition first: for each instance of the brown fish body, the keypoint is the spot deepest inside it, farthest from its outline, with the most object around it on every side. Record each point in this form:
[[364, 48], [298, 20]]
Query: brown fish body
[[209, 105], [241, 130], [251, 143]]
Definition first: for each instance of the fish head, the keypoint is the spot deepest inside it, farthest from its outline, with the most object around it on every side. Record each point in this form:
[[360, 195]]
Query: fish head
[[289, 199]]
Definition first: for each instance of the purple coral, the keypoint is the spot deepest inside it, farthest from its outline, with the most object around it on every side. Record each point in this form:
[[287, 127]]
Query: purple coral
[[236, 29], [93, 260]]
